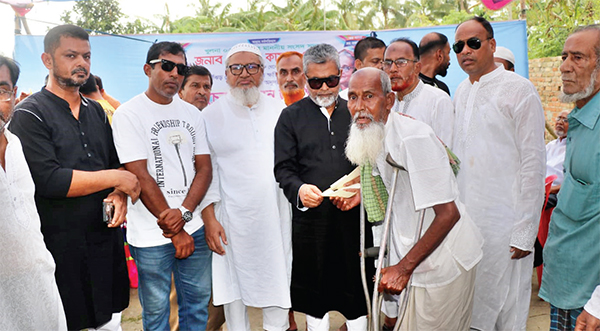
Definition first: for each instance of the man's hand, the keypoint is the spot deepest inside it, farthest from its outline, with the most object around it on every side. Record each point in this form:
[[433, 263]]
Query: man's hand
[[587, 322], [119, 199], [127, 183], [214, 233], [310, 195], [394, 279], [518, 254], [184, 245], [345, 204], [170, 222]]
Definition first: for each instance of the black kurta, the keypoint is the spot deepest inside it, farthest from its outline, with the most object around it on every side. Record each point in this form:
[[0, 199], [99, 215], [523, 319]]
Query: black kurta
[[325, 240], [91, 271]]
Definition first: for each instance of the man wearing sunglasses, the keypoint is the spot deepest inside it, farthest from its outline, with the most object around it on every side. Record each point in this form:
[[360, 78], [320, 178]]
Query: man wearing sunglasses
[[499, 136], [68, 145], [309, 156], [247, 217], [424, 102], [162, 140]]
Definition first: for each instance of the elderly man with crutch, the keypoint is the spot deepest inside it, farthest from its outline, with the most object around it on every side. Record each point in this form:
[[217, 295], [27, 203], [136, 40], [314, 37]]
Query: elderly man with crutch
[[437, 252]]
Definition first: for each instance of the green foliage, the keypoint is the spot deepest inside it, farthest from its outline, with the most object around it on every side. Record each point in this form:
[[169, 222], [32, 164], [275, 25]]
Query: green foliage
[[554, 21], [104, 16], [548, 21]]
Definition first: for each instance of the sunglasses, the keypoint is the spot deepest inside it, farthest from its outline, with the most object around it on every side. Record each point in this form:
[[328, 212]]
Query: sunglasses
[[316, 83], [168, 66], [473, 43], [251, 68]]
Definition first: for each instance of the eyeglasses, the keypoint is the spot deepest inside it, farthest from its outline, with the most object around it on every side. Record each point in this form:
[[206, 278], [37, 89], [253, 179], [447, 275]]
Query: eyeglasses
[[316, 83], [251, 68], [562, 119], [168, 66], [6, 95], [401, 62], [473, 43]]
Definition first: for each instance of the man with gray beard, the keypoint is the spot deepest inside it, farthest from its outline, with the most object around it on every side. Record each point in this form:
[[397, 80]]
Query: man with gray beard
[[247, 217], [442, 262], [309, 157], [571, 254]]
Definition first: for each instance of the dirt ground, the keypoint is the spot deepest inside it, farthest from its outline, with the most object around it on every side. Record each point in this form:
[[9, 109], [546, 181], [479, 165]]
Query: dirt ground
[[539, 314]]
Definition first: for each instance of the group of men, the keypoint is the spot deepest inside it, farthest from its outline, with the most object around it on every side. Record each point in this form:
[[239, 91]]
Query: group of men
[[244, 178]]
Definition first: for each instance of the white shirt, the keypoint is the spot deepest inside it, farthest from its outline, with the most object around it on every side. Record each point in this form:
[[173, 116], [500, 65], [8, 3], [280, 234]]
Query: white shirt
[[168, 137], [499, 138], [427, 181], [593, 305], [252, 209], [29, 297], [555, 157], [431, 106]]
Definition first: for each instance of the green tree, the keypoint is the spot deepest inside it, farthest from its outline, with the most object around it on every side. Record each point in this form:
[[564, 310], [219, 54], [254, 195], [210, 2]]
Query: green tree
[[104, 16], [100, 15]]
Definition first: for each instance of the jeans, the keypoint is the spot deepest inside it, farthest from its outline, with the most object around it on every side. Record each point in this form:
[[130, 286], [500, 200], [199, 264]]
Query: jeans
[[192, 281]]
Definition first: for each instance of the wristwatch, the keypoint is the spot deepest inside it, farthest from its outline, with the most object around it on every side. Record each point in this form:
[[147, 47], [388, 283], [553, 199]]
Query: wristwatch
[[186, 215]]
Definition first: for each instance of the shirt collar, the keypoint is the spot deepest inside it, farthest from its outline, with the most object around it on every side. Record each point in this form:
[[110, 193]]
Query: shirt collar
[[492, 75], [589, 114]]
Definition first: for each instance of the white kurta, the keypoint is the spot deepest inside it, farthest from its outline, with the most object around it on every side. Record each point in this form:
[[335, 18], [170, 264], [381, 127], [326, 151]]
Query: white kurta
[[250, 206], [29, 297], [555, 157], [499, 137], [431, 106], [427, 181], [593, 305]]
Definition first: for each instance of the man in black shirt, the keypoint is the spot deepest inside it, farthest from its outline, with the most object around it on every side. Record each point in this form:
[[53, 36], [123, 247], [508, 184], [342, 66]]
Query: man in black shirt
[[68, 145], [309, 156], [435, 59]]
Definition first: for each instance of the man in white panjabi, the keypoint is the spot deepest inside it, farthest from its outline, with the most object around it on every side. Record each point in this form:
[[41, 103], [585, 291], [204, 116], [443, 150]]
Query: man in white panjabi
[[248, 223], [499, 138], [442, 261], [426, 103], [29, 298]]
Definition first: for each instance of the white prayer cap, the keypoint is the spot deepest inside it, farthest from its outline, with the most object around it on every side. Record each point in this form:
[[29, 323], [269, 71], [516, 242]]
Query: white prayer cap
[[505, 54], [243, 47]]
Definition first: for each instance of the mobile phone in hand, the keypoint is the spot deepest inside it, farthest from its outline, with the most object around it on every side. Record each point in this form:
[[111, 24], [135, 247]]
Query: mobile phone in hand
[[108, 211]]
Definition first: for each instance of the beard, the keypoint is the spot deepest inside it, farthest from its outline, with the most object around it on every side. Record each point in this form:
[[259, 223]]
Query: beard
[[69, 81], [246, 96], [365, 144], [324, 101], [585, 93], [443, 70], [293, 96]]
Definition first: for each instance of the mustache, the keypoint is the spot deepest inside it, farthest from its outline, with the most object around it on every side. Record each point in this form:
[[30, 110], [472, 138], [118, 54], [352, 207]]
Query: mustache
[[363, 113], [77, 70]]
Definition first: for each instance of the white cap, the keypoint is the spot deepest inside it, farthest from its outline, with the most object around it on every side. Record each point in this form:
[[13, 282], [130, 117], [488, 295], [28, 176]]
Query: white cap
[[243, 47], [505, 54]]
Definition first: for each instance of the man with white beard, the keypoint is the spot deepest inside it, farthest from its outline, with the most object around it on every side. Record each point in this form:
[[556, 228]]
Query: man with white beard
[[309, 157], [571, 279], [442, 262], [248, 218]]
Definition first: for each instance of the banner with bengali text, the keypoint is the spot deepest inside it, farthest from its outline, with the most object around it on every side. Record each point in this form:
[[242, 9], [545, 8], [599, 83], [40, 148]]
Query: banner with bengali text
[[119, 61]]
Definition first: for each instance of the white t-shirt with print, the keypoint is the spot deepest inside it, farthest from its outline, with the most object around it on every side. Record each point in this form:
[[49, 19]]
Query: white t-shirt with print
[[168, 137]]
